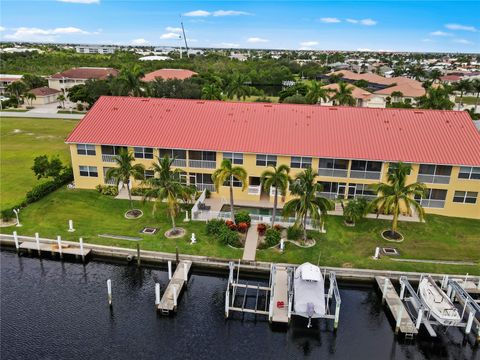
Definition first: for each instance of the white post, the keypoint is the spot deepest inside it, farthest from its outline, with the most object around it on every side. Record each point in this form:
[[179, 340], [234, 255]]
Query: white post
[[109, 291], [59, 241], [157, 294], [337, 315], [37, 240], [17, 211], [193, 239], [169, 270], [468, 328], [402, 291], [282, 245], [70, 226], [323, 231], [399, 319], [465, 281], [419, 318], [174, 289], [15, 237], [227, 301], [185, 273], [186, 217], [81, 249], [449, 291], [377, 253]]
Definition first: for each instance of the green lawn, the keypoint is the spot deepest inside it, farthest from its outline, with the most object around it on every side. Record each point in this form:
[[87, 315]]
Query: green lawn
[[467, 100], [22, 139], [440, 238]]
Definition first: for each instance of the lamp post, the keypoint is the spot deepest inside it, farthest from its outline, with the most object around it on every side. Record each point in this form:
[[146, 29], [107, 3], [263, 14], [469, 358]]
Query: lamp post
[[17, 211]]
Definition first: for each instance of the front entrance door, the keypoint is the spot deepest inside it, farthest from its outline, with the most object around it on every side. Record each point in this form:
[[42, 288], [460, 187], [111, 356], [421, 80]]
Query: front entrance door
[[351, 191]]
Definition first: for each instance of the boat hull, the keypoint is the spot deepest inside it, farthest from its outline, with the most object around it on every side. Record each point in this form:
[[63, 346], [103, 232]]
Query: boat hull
[[438, 303]]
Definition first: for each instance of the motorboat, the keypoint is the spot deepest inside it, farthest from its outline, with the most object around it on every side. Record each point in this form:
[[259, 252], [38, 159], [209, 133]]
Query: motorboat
[[309, 296], [440, 306]]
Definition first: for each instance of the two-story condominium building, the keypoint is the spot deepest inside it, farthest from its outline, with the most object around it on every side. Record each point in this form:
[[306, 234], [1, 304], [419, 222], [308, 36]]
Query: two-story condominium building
[[350, 148], [66, 79]]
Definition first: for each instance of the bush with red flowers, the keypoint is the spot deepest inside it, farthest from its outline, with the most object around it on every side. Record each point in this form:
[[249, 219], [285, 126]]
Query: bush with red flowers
[[231, 225], [242, 227], [278, 227], [261, 228]]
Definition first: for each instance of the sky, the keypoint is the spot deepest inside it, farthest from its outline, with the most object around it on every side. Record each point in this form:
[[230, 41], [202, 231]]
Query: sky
[[450, 26]]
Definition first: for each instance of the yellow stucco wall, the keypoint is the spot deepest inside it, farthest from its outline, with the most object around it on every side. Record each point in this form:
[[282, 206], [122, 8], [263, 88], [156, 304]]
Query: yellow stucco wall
[[249, 164]]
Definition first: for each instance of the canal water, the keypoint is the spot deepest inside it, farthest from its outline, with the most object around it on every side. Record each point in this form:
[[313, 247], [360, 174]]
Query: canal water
[[59, 310]]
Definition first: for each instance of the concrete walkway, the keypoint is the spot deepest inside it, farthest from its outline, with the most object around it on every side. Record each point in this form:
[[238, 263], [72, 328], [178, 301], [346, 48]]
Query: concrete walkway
[[38, 115], [250, 248]]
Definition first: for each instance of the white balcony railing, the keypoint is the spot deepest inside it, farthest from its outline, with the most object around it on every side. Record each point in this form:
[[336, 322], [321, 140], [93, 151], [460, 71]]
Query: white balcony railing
[[272, 192], [179, 162], [254, 189], [434, 179], [328, 195], [108, 158], [332, 172], [205, 164], [109, 182], [357, 174], [201, 187], [432, 203]]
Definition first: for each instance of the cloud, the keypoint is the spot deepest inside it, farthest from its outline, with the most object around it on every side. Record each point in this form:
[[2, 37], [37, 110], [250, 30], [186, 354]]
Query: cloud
[[197, 13], [229, 13], [37, 34], [204, 13], [170, 35], [228, 45], [462, 41], [364, 49], [330, 20], [308, 43], [440, 33], [140, 42], [256, 40], [368, 22], [427, 40], [2, 28], [461, 27], [352, 21], [177, 30], [81, 1]]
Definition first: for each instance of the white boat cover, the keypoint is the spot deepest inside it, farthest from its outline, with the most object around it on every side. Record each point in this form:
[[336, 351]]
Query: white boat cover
[[438, 302], [309, 297]]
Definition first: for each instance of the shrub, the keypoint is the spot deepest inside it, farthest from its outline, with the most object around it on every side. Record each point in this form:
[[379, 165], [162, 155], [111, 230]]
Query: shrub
[[242, 227], [107, 190], [261, 228], [139, 191], [41, 190], [213, 226], [208, 194], [7, 214], [294, 233], [354, 210], [272, 237], [231, 225], [243, 216], [227, 236], [80, 107]]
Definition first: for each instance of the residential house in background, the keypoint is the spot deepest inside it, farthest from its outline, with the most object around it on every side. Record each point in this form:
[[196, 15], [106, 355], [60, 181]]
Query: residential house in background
[[167, 74], [66, 79], [349, 148], [362, 97], [93, 49], [45, 95], [6, 80]]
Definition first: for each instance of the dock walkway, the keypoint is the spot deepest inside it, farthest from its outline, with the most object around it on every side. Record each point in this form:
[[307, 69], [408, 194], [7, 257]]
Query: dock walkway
[[251, 242], [53, 248], [395, 304], [168, 303], [280, 294]]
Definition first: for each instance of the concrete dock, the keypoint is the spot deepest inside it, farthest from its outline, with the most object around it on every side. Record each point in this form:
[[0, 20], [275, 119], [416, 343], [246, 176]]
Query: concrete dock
[[66, 249], [280, 294], [405, 324], [179, 279]]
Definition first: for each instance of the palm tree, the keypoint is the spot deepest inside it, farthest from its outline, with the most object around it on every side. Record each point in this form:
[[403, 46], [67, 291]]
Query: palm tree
[[30, 97], [211, 92], [126, 170], [305, 187], [227, 173], [476, 88], [464, 86], [436, 98], [131, 80], [16, 88], [354, 210], [435, 75], [417, 72], [397, 95], [343, 95], [237, 86], [61, 99], [166, 185], [278, 177], [316, 91], [396, 194]]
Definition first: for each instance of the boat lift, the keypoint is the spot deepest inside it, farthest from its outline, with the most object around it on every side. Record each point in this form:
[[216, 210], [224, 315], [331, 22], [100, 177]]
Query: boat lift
[[420, 312], [275, 300]]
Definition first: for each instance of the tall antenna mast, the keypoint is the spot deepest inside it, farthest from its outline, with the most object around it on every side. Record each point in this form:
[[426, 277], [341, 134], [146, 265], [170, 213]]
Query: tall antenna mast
[[185, 38]]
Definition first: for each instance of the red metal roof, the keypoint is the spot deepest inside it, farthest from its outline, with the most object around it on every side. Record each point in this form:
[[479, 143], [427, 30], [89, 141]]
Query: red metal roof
[[419, 136], [167, 74]]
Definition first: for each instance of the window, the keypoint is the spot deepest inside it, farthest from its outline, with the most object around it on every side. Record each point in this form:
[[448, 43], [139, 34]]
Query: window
[[148, 174], [465, 197], [112, 150], [235, 158], [203, 178], [361, 190], [435, 198], [365, 169], [86, 149], [298, 162], [332, 190], [173, 153], [143, 153], [266, 160], [435, 174], [90, 171], [235, 183], [469, 172], [333, 167]]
